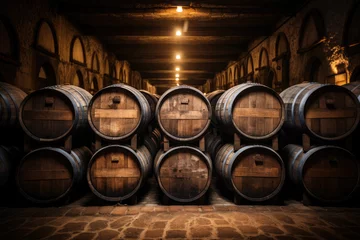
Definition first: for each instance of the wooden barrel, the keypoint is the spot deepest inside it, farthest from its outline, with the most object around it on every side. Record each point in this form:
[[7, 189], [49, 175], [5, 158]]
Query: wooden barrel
[[117, 172], [53, 113], [152, 100], [9, 157], [118, 111], [213, 97], [254, 172], [252, 110], [354, 87], [47, 175], [10, 100], [323, 111], [183, 113], [152, 141], [327, 173], [212, 144], [183, 173]]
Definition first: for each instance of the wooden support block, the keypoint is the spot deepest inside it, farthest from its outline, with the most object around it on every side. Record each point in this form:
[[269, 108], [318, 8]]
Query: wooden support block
[[237, 142], [166, 144], [134, 142], [202, 144], [275, 143], [306, 142], [98, 144], [68, 144]]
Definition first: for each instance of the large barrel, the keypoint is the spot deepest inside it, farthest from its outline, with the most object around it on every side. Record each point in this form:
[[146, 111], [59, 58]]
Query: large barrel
[[47, 175], [327, 173], [183, 173], [252, 110], [53, 113], [323, 111], [354, 87], [254, 172], [152, 100], [183, 114], [152, 141], [10, 100], [212, 144], [9, 157], [117, 172], [118, 111]]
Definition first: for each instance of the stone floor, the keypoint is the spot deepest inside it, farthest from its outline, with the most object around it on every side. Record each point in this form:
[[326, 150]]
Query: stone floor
[[87, 218]]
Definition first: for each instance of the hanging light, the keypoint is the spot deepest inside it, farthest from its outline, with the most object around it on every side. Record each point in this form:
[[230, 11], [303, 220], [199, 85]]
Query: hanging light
[[179, 9], [178, 56], [177, 84], [178, 33], [177, 69], [177, 79], [177, 75]]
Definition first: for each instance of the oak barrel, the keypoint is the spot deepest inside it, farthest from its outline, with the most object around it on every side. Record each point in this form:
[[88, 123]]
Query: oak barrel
[[9, 158], [354, 87], [48, 175], [117, 172], [327, 173], [252, 110], [213, 97], [323, 111], [118, 111], [10, 100], [183, 113], [152, 141], [254, 172], [212, 144], [183, 173], [52, 113], [152, 100]]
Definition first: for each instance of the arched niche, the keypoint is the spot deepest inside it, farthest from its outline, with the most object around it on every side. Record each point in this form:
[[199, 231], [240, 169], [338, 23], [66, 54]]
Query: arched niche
[[95, 63], [45, 38], [9, 42], [250, 69], [46, 76], [351, 37], [314, 71], [355, 76], [236, 75], [282, 59], [77, 51], [230, 79], [125, 76], [312, 31], [94, 87], [78, 79], [263, 59], [107, 67]]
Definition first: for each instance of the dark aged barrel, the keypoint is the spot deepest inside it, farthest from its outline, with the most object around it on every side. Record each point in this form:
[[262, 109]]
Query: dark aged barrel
[[354, 87], [252, 110], [118, 111], [117, 172], [254, 172], [213, 97], [53, 113], [327, 173], [183, 173], [152, 141], [152, 100], [47, 175], [212, 144], [183, 113], [9, 157], [324, 111], [10, 100]]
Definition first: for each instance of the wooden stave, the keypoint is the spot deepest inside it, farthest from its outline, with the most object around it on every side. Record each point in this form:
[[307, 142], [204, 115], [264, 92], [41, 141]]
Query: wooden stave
[[79, 99], [296, 158], [145, 115], [152, 141], [224, 161], [354, 87], [225, 104], [152, 100], [170, 92], [142, 154], [212, 144], [213, 98], [12, 97], [295, 108], [160, 157], [78, 158]]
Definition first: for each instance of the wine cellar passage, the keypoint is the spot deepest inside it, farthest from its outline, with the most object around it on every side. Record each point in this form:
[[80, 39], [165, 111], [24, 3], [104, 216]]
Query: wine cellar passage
[[179, 119]]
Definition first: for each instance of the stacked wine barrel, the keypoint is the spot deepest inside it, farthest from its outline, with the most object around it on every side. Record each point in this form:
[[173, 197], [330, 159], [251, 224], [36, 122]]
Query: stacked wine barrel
[[320, 165], [118, 114], [183, 170], [54, 120], [249, 116]]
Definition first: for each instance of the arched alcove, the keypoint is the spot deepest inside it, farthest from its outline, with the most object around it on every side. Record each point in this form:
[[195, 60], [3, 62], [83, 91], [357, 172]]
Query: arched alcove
[[125, 76], [9, 42], [312, 31], [236, 75], [230, 80], [351, 37], [107, 67], [282, 58], [45, 38], [46, 76], [263, 58], [94, 87], [77, 51], [314, 71], [95, 63], [249, 69], [78, 79]]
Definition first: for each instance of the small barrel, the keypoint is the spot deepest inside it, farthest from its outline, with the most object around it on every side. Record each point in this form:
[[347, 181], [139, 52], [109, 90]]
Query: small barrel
[[117, 172], [53, 113], [254, 172], [118, 111], [323, 111], [212, 144], [252, 110], [10, 100], [213, 97], [47, 175], [183, 114], [152, 141], [9, 157], [152, 100], [183, 173], [327, 173], [354, 87]]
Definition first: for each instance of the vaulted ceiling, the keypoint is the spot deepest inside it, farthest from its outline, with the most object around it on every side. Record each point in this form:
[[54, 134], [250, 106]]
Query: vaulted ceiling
[[143, 33]]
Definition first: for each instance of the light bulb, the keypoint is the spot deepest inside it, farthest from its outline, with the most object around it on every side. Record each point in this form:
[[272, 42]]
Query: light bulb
[[178, 33], [179, 9], [177, 79], [178, 56], [177, 75], [177, 69]]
